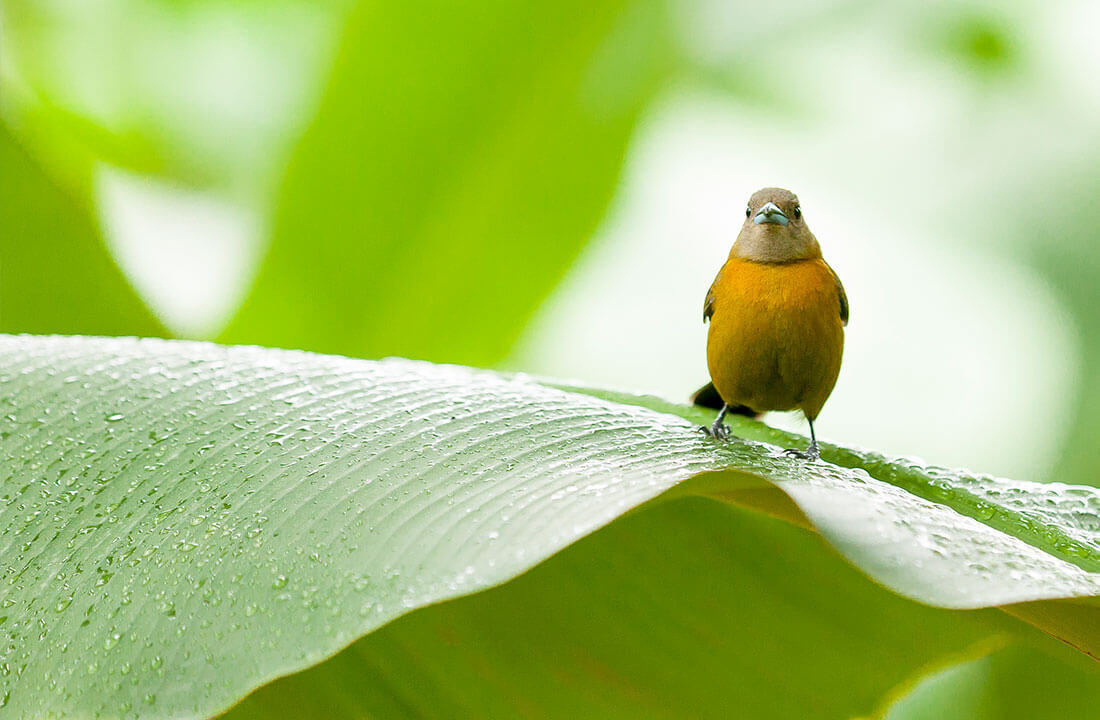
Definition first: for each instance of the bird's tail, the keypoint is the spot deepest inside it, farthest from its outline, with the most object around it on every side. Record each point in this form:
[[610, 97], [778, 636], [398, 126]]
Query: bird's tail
[[708, 397]]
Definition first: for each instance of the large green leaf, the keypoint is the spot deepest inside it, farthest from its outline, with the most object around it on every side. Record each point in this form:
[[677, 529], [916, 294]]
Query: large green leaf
[[459, 161], [685, 609], [1030, 522], [55, 272], [191, 521]]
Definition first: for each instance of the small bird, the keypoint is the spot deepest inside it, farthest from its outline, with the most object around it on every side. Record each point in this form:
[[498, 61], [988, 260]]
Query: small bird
[[777, 314]]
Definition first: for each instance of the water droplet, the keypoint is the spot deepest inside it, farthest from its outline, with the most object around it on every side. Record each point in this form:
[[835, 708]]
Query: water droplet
[[279, 582], [114, 417]]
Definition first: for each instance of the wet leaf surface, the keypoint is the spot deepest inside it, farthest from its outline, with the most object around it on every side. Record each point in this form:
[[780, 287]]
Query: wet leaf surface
[[189, 521]]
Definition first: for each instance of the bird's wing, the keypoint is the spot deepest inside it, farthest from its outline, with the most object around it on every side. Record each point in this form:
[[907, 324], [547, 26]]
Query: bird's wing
[[843, 296], [708, 304]]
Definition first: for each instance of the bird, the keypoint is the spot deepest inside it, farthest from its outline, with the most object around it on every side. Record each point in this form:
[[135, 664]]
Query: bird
[[777, 314]]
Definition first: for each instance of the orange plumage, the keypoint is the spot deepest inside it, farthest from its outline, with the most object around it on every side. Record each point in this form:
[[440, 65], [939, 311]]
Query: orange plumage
[[777, 313], [776, 338]]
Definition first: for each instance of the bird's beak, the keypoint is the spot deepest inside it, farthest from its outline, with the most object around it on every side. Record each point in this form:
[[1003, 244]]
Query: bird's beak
[[770, 214]]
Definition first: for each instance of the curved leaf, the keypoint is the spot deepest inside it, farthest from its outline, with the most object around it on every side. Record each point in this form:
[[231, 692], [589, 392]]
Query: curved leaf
[[942, 536], [685, 609], [189, 521]]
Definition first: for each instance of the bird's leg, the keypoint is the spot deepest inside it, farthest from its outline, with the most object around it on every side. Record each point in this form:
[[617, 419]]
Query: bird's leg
[[719, 430], [810, 453]]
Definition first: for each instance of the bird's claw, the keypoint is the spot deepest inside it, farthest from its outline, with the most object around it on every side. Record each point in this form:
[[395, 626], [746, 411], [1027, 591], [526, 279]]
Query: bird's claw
[[810, 453], [718, 431]]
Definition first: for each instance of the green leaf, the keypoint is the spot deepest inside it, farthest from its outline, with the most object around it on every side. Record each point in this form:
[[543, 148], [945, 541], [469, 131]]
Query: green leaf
[[55, 272], [459, 161], [911, 519], [685, 609], [191, 521]]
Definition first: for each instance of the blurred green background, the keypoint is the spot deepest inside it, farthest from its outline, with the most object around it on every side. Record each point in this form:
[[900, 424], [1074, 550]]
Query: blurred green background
[[550, 187]]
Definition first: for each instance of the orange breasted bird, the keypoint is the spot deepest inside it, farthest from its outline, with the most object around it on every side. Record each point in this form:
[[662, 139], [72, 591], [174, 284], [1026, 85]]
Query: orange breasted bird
[[777, 313]]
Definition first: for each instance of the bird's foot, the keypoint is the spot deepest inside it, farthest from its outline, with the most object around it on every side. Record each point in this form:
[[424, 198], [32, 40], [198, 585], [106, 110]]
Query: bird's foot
[[719, 430], [810, 453]]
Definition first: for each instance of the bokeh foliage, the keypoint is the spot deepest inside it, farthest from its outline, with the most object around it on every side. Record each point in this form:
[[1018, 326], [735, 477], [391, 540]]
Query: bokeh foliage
[[55, 273], [405, 226]]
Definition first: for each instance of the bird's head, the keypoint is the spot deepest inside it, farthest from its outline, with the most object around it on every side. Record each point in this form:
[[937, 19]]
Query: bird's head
[[774, 229]]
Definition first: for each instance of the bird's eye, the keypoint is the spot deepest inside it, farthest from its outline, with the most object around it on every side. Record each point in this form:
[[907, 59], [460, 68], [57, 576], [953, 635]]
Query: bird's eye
[[798, 211], [748, 211]]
